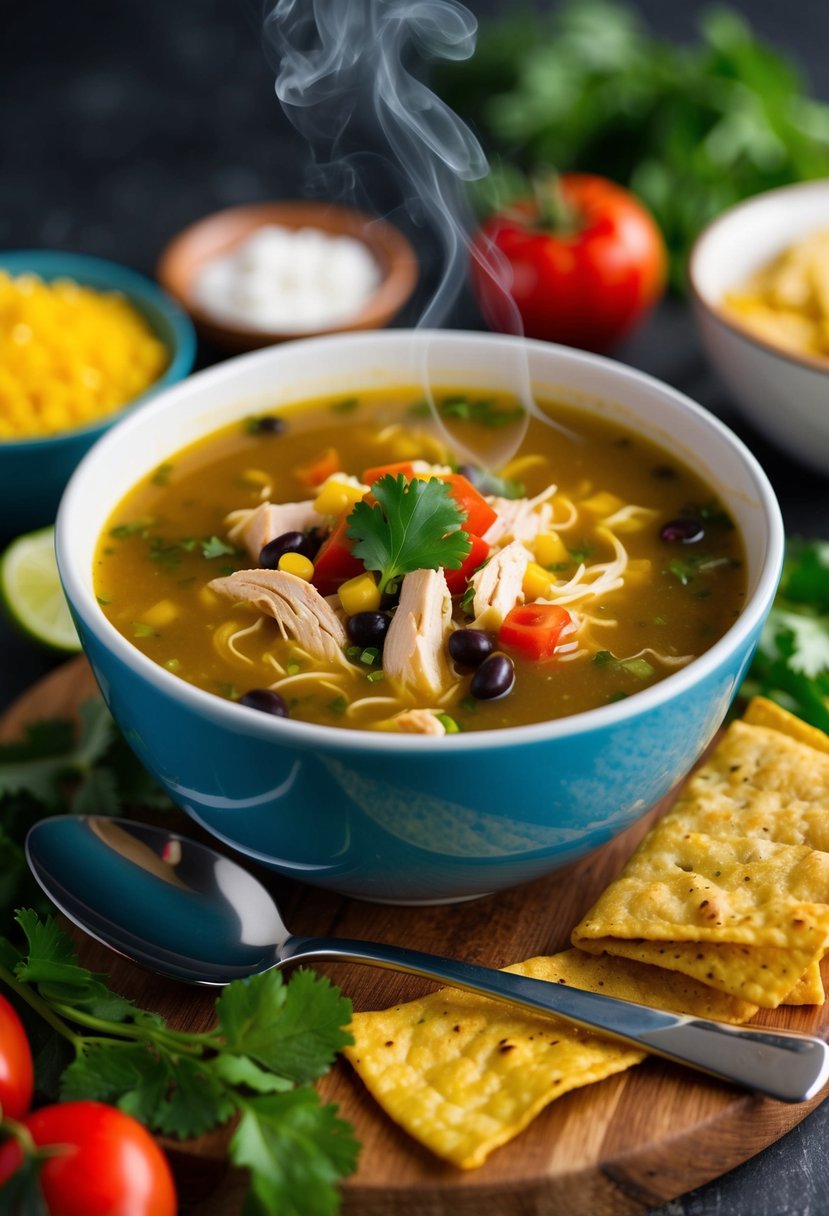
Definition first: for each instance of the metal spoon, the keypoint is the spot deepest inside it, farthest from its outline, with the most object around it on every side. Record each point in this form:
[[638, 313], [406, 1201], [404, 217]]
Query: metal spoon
[[182, 909]]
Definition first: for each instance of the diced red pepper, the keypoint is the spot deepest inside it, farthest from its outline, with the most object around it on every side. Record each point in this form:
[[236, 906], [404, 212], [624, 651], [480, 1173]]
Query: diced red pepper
[[374, 474], [480, 516], [534, 629], [315, 473], [456, 579], [335, 563]]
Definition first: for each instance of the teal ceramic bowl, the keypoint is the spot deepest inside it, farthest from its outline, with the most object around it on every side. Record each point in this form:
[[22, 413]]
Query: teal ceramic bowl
[[34, 472], [413, 819]]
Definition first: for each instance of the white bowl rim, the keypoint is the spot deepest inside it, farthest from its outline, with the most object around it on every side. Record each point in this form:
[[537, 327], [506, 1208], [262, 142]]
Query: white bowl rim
[[310, 736], [812, 363]]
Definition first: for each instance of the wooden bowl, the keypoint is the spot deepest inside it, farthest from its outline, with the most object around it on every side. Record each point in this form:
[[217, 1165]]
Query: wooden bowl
[[217, 234]]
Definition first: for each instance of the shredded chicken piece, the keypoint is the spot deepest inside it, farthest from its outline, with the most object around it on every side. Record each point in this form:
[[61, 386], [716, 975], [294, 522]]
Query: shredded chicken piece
[[499, 584], [415, 649], [520, 518], [256, 527], [301, 613], [419, 722]]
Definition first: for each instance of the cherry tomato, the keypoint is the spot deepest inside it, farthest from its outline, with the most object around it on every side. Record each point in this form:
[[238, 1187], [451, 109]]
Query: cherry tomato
[[16, 1070], [111, 1167], [534, 629], [582, 263]]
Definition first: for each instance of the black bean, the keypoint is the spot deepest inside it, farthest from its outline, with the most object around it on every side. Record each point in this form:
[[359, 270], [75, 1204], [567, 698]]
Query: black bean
[[470, 646], [265, 700], [268, 424], [683, 531], [367, 628], [494, 678], [288, 542]]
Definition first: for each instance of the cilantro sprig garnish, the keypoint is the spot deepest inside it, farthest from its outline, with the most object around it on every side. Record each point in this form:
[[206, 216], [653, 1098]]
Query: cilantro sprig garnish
[[270, 1041], [412, 525], [791, 665]]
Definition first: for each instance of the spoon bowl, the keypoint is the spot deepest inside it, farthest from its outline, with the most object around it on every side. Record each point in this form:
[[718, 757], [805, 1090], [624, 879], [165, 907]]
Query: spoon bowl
[[184, 910]]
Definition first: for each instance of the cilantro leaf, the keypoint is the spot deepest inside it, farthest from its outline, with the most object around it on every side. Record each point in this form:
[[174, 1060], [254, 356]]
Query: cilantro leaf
[[240, 1070], [296, 1150], [214, 547], [293, 1029], [413, 525], [52, 965], [791, 665]]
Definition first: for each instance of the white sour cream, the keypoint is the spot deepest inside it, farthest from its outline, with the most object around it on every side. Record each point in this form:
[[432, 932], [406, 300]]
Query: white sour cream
[[289, 280]]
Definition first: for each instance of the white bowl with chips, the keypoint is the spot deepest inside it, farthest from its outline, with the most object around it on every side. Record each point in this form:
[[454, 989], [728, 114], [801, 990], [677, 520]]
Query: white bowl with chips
[[783, 393]]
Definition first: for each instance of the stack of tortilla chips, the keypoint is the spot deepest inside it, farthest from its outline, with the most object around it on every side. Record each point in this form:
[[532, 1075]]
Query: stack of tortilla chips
[[720, 910]]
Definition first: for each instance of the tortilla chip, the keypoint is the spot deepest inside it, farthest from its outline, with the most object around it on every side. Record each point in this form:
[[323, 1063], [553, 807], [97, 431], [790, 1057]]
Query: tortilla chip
[[731, 887], [809, 988], [464, 1074], [762, 712]]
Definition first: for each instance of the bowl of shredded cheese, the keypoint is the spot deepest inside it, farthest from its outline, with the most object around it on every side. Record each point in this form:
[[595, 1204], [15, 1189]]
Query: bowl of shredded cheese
[[759, 277], [82, 339], [261, 273]]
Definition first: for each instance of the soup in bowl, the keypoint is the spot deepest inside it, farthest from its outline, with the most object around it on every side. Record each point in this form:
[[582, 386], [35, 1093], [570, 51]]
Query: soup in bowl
[[414, 641]]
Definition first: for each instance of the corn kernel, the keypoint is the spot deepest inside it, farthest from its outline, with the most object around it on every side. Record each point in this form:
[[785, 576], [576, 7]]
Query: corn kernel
[[524, 464], [161, 614], [256, 477], [209, 599], [601, 504], [298, 564], [550, 549], [537, 582], [360, 594], [337, 498]]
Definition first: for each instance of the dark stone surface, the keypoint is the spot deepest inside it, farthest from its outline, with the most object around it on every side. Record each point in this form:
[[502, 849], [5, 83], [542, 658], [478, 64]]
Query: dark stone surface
[[122, 123]]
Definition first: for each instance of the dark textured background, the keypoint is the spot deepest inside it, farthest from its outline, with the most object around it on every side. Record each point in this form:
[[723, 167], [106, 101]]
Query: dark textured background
[[122, 122]]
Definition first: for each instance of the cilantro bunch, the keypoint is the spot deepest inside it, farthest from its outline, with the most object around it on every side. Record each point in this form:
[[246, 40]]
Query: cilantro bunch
[[791, 665], [270, 1041]]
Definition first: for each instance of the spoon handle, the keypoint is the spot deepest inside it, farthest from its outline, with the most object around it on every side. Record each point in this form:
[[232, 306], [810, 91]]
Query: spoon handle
[[787, 1066]]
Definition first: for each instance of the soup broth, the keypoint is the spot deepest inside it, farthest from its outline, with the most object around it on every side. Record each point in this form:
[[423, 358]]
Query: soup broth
[[612, 561]]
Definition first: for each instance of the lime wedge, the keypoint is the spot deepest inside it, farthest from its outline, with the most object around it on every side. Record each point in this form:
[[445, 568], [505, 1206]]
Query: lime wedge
[[31, 591]]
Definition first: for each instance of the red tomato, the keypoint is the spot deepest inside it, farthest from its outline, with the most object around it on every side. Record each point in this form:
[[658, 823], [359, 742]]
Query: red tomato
[[111, 1167], [456, 579], [403, 468], [479, 514], [534, 629], [335, 563], [16, 1070], [584, 281]]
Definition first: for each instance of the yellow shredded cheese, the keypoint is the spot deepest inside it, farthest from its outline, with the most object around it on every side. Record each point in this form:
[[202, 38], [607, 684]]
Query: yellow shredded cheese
[[69, 355]]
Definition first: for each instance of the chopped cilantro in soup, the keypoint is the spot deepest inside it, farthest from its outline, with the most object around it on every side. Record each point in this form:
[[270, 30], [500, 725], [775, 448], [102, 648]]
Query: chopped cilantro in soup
[[340, 566]]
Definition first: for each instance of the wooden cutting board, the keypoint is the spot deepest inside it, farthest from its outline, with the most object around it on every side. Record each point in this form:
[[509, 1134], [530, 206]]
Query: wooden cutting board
[[613, 1149]]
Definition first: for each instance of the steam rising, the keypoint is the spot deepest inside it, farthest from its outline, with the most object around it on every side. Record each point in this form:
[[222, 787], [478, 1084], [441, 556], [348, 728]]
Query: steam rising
[[344, 78]]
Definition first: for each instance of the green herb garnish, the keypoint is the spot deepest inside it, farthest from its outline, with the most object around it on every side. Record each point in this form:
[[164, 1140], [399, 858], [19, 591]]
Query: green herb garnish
[[347, 406], [414, 525], [161, 476], [791, 665], [483, 412], [635, 666], [271, 1041], [214, 546]]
